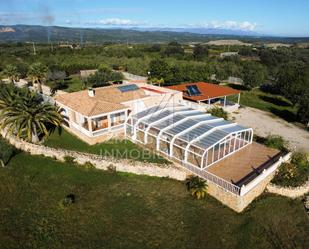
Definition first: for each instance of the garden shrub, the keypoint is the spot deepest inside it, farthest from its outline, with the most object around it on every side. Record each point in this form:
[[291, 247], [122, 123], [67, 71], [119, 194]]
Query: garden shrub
[[197, 187], [69, 159], [111, 168], [276, 142], [218, 112], [300, 159], [68, 200], [88, 165], [294, 173]]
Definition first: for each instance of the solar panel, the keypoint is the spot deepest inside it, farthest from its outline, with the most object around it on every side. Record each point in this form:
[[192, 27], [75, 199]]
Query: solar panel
[[193, 90], [128, 88]]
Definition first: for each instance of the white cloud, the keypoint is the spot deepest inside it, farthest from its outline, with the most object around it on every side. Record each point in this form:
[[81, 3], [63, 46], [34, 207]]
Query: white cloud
[[233, 25], [115, 22]]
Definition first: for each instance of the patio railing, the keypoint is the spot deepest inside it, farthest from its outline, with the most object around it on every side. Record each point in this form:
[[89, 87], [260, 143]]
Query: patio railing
[[230, 187]]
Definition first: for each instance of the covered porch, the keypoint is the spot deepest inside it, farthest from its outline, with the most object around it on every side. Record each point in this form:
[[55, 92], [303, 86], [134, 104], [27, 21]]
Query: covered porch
[[223, 102], [100, 124]]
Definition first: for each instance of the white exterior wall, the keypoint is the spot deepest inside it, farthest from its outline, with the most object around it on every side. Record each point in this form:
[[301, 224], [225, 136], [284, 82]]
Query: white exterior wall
[[153, 98], [81, 118]]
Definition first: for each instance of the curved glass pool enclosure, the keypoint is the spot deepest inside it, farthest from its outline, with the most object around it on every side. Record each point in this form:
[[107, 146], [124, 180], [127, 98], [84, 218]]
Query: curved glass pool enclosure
[[187, 135]]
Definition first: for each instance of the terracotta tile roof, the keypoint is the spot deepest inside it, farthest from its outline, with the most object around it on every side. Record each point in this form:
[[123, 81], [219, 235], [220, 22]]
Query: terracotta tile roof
[[106, 99], [208, 90]]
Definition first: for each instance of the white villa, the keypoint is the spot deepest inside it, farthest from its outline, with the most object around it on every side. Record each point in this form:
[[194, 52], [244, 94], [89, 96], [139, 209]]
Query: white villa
[[236, 168], [96, 114]]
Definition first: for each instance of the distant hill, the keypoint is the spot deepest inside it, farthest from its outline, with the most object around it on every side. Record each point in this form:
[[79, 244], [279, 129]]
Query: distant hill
[[205, 31], [44, 34]]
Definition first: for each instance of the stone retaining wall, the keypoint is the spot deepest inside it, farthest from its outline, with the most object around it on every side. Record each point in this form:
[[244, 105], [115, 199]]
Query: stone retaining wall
[[236, 202], [289, 191], [122, 165]]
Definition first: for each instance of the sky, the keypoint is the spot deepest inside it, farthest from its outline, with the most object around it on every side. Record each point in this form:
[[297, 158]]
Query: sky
[[270, 17]]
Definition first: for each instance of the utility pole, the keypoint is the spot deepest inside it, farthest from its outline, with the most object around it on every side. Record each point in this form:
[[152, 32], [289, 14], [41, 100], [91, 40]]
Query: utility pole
[[34, 52]]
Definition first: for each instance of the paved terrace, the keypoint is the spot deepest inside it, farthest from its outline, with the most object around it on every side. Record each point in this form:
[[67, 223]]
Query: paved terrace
[[244, 165]]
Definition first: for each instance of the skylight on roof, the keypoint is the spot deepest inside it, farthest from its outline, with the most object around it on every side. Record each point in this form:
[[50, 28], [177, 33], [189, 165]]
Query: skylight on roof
[[128, 88], [193, 90]]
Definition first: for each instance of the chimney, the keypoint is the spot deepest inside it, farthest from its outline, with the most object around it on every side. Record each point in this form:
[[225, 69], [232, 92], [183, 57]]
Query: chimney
[[91, 92]]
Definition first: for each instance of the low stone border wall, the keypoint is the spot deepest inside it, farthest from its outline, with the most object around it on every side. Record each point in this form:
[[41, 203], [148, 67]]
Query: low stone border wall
[[99, 162], [235, 202], [292, 192]]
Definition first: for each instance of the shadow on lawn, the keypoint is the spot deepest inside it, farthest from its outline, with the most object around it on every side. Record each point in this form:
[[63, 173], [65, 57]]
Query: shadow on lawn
[[284, 114], [238, 87], [275, 101]]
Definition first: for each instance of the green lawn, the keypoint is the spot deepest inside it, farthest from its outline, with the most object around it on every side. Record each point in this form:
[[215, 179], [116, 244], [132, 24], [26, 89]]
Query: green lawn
[[275, 104], [73, 83], [117, 210], [114, 148]]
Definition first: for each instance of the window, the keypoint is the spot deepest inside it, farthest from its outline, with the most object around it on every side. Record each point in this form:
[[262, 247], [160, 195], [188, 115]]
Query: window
[[118, 118], [100, 123]]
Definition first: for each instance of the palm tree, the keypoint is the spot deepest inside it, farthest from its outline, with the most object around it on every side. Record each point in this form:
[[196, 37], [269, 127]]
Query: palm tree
[[37, 73], [197, 187], [12, 73], [9, 95], [28, 117]]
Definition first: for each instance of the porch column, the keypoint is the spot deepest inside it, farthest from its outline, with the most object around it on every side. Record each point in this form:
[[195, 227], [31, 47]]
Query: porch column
[[80, 122], [224, 102], [71, 117], [90, 124], [209, 102], [109, 121], [238, 98]]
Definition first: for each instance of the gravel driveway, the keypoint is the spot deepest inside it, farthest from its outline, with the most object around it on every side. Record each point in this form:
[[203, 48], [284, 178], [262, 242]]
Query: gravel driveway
[[265, 123]]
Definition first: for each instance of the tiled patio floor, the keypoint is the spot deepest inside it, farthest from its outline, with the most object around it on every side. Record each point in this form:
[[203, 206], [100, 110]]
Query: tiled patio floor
[[244, 164]]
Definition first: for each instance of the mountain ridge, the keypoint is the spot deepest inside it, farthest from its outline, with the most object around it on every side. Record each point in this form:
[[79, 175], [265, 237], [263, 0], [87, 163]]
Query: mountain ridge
[[45, 34]]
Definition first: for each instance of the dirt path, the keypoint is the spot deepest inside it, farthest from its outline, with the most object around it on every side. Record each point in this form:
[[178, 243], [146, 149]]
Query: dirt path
[[264, 123]]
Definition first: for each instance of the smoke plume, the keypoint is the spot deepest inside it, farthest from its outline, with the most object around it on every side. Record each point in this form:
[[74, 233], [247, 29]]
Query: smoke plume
[[48, 19]]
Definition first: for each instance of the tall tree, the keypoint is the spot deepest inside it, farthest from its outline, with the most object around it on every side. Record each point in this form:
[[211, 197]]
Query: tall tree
[[57, 79], [303, 109], [103, 76], [253, 74], [27, 116], [159, 69], [292, 80], [200, 52], [12, 73], [9, 96], [174, 49], [38, 73]]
